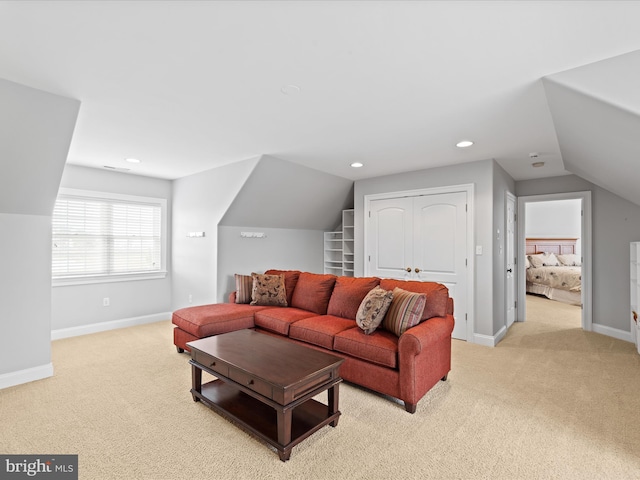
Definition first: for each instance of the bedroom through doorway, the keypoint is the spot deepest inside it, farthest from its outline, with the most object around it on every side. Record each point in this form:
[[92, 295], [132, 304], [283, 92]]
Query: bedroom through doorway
[[553, 256]]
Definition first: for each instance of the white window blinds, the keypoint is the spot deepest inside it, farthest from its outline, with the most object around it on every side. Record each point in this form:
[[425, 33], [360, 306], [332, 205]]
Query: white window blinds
[[95, 237]]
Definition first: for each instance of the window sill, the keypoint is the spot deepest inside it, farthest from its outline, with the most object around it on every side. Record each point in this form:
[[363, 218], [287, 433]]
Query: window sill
[[91, 279]]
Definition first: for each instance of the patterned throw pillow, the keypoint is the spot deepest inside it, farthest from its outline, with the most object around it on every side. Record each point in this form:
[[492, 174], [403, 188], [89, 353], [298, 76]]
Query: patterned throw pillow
[[244, 285], [268, 290], [373, 308], [404, 312]]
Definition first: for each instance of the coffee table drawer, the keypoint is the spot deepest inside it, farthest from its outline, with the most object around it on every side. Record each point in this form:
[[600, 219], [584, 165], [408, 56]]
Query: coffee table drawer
[[211, 362], [249, 381]]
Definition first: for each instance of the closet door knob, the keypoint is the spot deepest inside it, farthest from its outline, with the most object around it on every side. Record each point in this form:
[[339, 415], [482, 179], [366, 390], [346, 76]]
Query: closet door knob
[[408, 269], [417, 270]]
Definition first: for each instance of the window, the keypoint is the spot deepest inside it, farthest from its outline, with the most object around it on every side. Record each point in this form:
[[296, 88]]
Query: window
[[98, 237]]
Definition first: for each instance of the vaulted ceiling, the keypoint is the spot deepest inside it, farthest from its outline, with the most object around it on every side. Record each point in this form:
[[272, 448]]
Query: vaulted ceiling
[[188, 86]]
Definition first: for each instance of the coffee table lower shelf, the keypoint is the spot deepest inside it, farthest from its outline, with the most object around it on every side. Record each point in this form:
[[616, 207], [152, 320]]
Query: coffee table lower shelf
[[261, 419]]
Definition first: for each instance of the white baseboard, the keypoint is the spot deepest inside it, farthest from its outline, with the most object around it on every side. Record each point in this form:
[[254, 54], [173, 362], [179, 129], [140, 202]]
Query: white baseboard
[[489, 340], [27, 375], [111, 325], [612, 332]]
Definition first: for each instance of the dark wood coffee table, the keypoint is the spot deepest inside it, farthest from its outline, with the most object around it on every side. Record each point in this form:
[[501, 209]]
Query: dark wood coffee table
[[265, 384]]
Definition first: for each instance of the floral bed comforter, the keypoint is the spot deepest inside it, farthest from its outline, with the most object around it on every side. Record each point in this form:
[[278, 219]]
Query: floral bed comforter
[[564, 278]]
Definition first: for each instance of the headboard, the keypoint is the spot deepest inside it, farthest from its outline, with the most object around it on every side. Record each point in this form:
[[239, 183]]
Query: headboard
[[560, 246]]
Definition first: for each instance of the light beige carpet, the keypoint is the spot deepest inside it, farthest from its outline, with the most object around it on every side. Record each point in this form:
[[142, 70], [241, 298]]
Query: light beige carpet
[[550, 401]]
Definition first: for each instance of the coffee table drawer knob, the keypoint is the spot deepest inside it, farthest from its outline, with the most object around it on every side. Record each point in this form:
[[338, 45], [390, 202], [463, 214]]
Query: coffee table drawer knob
[[250, 382], [213, 364]]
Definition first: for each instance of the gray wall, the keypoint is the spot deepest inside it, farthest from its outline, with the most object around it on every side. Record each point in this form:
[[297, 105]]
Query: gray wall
[[481, 174], [199, 203], [81, 305], [615, 223], [255, 195], [284, 249], [35, 132]]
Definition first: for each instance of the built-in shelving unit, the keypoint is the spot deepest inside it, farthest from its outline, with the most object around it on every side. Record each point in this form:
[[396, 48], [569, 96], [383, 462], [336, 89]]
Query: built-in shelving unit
[[338, 247], [635, 290]]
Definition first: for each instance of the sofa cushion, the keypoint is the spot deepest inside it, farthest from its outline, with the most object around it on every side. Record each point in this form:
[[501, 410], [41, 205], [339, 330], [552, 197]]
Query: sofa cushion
[[268, 290], [373, 308], [319, 330], [278, 319], [404, 312], [290, 280], [347, 295], [313, 291], [437, 294], [244, 286], [206, 320], [380, 347]]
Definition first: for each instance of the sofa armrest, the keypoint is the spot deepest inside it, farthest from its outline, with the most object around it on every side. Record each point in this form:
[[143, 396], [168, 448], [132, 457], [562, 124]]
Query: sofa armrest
[[431, 331], [232, 297], [424, 358]]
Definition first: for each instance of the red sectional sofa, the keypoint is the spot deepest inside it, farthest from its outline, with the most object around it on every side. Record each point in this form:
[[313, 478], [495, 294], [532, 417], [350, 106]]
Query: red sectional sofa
[[321, 314]]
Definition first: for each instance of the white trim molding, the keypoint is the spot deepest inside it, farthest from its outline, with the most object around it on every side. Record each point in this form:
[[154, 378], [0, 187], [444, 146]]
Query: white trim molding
[[27, 375], [105, 326], [489, 340], [612, 332]]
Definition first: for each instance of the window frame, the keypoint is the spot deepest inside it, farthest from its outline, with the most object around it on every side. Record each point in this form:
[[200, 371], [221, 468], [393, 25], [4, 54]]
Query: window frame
[[116, 277]]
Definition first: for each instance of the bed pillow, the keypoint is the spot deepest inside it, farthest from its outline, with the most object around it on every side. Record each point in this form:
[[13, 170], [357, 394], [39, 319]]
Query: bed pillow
[[527, 263], [543, 260], [550, 260], [570, 260], [268, 290]]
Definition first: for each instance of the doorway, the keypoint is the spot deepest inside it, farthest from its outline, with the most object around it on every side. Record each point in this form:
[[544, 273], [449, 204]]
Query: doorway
[[583, 199]]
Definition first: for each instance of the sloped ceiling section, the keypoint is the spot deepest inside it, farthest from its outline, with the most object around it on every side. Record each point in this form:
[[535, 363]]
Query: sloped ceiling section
[[596, 112], [282, 194], [35, 133]]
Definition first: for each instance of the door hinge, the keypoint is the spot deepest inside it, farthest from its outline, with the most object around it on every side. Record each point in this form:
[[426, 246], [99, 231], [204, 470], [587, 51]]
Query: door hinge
[[465, 207], [515, 304], [465, 262], [465, 317], [369, 213], [369, 257]]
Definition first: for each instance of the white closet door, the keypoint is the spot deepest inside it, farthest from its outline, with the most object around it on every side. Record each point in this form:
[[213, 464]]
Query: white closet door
[[440, 243], [390, 238]]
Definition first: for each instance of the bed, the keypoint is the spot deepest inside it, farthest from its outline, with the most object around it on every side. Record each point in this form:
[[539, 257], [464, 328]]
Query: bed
[[553, 269]]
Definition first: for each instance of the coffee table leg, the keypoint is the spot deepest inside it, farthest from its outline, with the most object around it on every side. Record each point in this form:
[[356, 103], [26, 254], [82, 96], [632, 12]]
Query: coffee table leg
[[196, 381], [284, 432], [333, 398]]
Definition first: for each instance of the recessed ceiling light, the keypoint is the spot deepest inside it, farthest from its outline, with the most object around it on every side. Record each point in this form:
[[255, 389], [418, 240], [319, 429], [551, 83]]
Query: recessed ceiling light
[[357, 164], [537, 164], [464, 143], [290, 89], [132, 160]]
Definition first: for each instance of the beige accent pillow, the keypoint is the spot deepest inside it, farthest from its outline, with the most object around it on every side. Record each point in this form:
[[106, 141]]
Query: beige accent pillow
[[373, 308], [268, 290]]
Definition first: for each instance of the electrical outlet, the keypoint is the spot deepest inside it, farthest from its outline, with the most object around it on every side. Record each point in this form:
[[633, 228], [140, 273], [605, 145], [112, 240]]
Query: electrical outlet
[[190, 298], [105, 302]]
